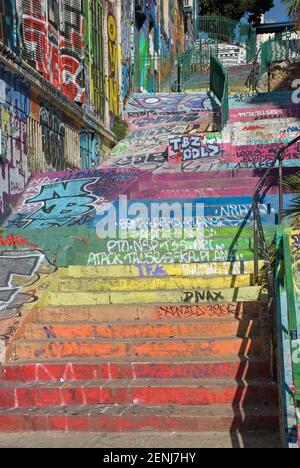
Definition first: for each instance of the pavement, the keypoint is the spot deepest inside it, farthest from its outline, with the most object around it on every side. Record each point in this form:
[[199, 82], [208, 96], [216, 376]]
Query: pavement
[[138, 440]]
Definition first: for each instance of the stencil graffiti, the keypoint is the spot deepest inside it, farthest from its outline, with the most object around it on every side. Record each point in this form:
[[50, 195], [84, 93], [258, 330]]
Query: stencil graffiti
[[191, 147]]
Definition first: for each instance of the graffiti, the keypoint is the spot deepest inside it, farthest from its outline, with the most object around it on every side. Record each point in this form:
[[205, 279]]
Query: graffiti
[[136, 123], [63, 204], [189, 147], [202, 296], [69, 197], [113, 67], [14, 110], [8, 25], [72, 51], [52, 43], [15, 240], [169, 103], [150, 270], [246, 115], [194, 311], [127, 39], [261, 153], [90, 150], [152, 160], [53, 139]]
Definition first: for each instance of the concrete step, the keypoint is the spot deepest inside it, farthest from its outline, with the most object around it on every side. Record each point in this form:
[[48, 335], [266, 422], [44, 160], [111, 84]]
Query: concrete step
[[139, 392], [239, 294], [152, 284], [123, 313], [141, 368], [104, 418], [42, 350], [133, 271], [110, 330], [212, 192]]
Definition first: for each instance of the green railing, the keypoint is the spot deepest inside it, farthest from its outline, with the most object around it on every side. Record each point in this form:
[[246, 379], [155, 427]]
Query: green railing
[[230, 31], [281, 48], [288, 301], [155, 73], [219, 86]]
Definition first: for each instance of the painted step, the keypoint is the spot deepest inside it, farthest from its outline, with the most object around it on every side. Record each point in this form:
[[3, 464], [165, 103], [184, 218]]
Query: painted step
[[250, 293], [149, 284], [239, 310], [196, 184], [212, 192], [138, 392], [194, 269], [95, 257], [134, 418], [66, 349], [244, 328], [200, 368]]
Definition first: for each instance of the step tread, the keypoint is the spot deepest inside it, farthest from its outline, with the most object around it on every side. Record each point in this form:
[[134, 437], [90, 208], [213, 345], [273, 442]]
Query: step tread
[[131, 340], [181, 411], [145, 383], [201, 360]]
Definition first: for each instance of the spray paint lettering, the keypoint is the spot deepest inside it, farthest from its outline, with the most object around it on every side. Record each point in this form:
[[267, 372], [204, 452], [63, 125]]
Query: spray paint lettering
[[63, 204], [191, 147]]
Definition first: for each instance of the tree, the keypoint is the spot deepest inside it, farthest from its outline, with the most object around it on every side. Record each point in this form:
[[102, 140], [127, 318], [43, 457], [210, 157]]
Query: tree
[[293, 6], [236, 9]]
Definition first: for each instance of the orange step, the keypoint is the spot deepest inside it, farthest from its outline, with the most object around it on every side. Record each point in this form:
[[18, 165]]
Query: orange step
[[64, 349], [138, 329]]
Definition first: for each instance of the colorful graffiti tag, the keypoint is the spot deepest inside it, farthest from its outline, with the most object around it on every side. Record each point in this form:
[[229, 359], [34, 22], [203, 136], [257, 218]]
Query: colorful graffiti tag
[[113, 66], [53, 44]]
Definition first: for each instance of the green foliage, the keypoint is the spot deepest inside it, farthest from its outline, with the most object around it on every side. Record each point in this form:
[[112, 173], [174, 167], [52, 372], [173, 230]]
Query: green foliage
[[120, 128], [293, 6], [292, 184], [236, 9]]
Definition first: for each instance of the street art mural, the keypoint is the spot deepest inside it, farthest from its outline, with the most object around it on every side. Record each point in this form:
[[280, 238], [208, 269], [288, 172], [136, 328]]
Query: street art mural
[[53, 138], [127, 40], [52, 42], [21, 275], [112, 33], [14, 111], [8, 25], [69, 198], [90, 150], [165, 103]]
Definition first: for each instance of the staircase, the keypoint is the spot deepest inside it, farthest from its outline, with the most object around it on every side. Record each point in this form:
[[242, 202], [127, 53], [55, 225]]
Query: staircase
[[133, 348]]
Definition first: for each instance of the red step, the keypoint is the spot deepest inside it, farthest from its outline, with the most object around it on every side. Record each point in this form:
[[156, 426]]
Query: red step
[[225, 367], [139, 392], [141, 418]]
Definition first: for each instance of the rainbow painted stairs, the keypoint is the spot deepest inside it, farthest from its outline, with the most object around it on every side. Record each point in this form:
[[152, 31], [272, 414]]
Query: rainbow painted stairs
[[152, 335]]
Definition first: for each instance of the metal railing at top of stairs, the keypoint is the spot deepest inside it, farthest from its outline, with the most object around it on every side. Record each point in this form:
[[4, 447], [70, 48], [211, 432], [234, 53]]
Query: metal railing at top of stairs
[[259, 238]]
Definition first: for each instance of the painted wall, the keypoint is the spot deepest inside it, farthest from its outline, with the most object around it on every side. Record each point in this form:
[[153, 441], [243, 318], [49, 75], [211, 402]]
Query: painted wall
[[14, 110]]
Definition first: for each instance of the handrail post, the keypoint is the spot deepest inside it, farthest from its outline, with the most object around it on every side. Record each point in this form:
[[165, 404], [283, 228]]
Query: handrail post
[[280, 171], [255, 232]]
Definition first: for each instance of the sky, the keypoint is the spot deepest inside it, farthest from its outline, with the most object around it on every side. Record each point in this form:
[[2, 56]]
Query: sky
[[277, 14]]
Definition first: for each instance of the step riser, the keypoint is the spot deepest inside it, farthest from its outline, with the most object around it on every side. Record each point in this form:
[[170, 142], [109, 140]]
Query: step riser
[[241, 329], [53, 350], [58, 397], [103, 424], [112, 371], [249, 310]]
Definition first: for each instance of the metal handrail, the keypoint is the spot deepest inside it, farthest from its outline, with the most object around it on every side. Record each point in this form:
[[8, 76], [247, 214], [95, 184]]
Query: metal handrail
[[259, 238]]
